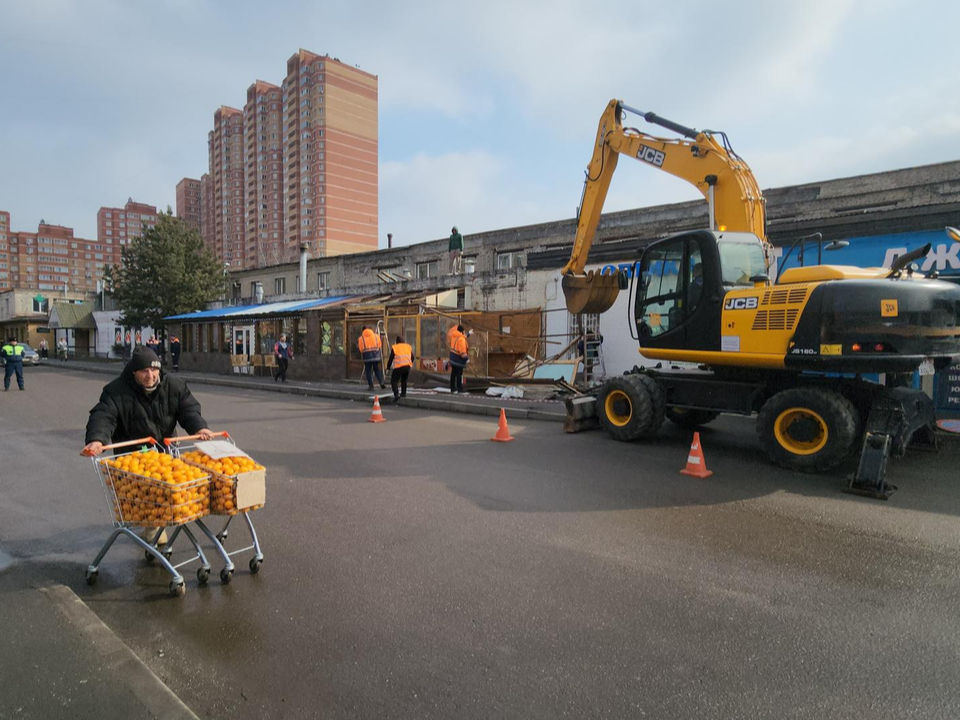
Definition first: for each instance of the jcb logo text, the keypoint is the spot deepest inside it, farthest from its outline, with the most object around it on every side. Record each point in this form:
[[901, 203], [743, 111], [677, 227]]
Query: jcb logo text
[[740, 303], [649, 155]]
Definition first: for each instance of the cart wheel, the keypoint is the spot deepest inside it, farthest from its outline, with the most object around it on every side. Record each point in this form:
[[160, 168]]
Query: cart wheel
[[222, 536], [177, 589], [167, 552], [202, 574], [226, 576], [148, 557], [91, 576], [255, 565]]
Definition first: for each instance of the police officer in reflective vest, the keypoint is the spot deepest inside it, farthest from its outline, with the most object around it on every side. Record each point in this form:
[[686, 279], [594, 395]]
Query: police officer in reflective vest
[[13, 357], [459, 357], [370, 350], [401, 359]]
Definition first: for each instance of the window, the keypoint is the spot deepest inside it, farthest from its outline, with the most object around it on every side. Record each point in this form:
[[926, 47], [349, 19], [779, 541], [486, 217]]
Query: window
[[331, 337], [427, 270], [280, 286], [509, 260], [740, 261], [323, 281], [41, 305], [469, 265], [660, 296], [253, 289]]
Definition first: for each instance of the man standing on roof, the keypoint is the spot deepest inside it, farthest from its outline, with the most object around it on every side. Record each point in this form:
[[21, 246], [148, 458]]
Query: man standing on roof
[[456, 250], [401, 359], [371, 351]]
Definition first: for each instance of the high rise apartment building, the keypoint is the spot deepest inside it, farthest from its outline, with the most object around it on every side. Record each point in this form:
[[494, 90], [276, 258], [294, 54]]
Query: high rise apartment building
[[298, 166], [189, 206], [330, 156], [117, 227], [263, 157], [207, 220], [50, 259], [227, 171]]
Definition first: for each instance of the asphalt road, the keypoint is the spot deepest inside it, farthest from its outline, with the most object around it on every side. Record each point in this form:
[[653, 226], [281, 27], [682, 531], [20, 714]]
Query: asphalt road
[[414, 569]]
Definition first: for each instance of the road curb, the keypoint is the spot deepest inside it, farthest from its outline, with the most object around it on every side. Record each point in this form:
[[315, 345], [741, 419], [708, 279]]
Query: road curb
[[119, 661], [438, 404]]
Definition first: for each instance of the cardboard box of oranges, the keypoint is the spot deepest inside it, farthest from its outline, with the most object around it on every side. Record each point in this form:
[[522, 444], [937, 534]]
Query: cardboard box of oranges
[[238, 482], [152, 489]]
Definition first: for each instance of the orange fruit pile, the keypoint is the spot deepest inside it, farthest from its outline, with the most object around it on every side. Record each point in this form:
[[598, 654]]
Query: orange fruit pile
[[223, 498], [155, 489]]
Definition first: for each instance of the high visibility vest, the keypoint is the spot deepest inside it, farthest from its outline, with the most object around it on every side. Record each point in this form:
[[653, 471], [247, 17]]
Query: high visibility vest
[[459, 355], [13, 352], [402, 355], [369, 345]]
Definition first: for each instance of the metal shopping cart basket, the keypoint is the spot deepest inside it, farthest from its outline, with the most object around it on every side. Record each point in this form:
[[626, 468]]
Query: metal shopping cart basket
[[146, 487], [226, 497]]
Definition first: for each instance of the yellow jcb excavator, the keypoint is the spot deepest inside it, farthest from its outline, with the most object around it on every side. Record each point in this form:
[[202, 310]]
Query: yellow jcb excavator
[[791, 352]]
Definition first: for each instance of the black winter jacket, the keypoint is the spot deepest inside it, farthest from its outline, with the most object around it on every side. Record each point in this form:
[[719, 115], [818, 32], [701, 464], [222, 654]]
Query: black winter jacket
[[127, 412]]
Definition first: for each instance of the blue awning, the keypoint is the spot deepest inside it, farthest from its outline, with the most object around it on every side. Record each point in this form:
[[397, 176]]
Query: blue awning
[[278, 308]]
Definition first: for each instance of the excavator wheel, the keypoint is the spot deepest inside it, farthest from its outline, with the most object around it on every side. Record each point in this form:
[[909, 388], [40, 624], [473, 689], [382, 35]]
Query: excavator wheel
[[690, 419], [631, 407], [808, 429]]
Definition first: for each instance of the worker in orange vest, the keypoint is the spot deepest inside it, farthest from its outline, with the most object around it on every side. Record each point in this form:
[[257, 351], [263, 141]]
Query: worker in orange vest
[[371, 351], [459, 357], [401, 360]]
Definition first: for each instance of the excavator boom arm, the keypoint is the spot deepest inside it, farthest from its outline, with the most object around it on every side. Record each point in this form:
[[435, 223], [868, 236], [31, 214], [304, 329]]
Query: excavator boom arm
[[736, 203]]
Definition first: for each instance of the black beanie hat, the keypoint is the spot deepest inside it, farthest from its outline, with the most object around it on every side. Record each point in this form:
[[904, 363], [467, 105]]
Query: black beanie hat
[[144, 358]]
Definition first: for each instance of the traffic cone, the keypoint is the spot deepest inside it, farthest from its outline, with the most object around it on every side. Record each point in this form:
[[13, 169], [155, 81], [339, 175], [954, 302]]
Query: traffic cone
[[503, 432], [377, 414], [696, 465]]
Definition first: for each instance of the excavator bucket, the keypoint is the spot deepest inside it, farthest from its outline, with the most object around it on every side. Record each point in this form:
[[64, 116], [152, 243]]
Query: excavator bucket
[[590, 293]]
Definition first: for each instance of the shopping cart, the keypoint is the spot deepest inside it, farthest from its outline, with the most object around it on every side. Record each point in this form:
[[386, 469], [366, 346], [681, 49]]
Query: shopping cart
[[168, 498], [223, 501]]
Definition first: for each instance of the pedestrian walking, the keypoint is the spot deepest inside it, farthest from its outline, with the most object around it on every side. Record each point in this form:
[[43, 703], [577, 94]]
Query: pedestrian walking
[[401, 360], [456, 250], [459, 357], [12, 354], [283, 352], [62, 349], [371, 351], [143, 402], [44, 353], [175, 352]]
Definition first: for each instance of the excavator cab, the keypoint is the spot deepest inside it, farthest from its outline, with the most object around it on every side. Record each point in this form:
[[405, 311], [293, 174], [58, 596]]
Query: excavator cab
[[681, 284]]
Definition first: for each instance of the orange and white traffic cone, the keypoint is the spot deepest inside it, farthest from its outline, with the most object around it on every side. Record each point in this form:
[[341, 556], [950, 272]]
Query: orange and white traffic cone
[[377, 414], [696, 465], [503, 432]]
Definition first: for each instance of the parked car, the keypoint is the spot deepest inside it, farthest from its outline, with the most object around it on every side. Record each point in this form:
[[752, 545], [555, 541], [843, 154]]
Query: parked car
[[30, 356]]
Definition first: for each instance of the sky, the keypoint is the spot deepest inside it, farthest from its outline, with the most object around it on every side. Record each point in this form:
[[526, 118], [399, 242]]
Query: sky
[[487, 111]]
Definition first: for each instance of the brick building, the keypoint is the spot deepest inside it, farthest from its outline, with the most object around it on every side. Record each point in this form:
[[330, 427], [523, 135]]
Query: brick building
[[263, 155], [208, 225], [189, 205], [330, 156], [227, 171], [117, 227], [298, 166], [51, 258]]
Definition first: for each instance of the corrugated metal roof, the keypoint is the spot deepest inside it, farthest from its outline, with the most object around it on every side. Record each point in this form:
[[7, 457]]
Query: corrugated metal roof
[[72, 315], [278, 308]]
